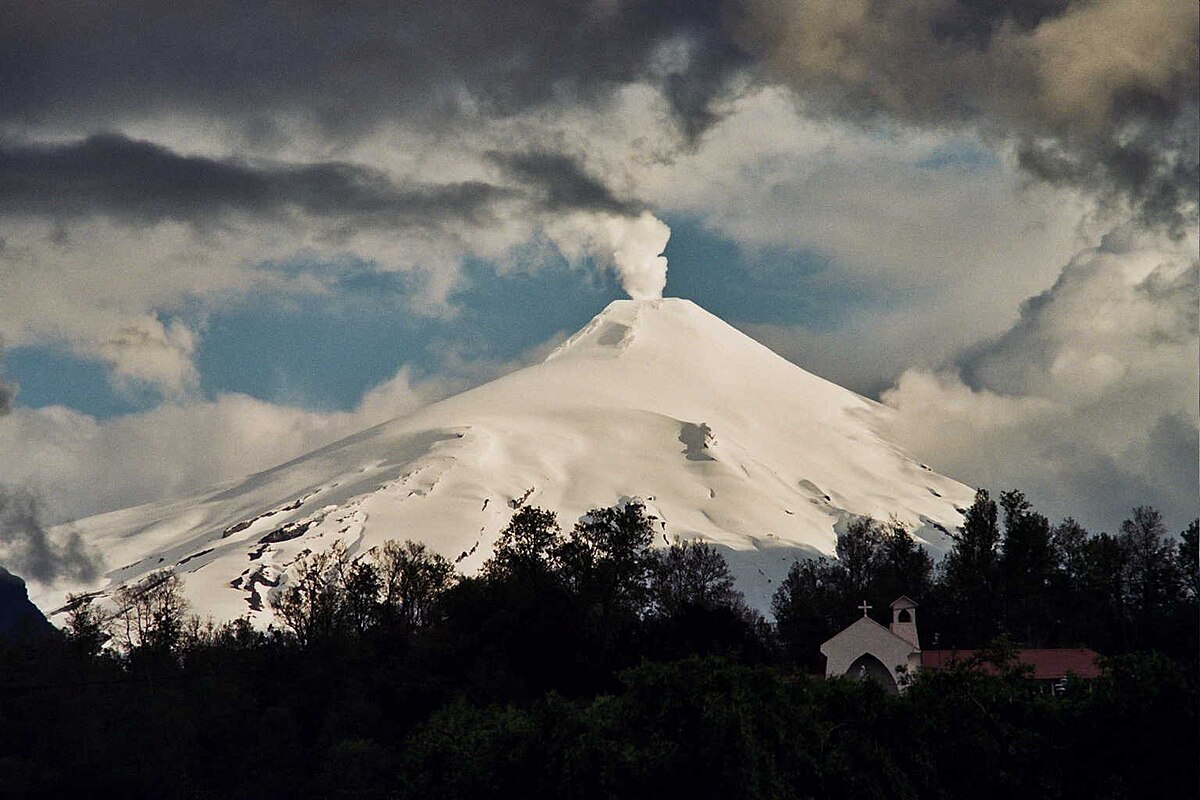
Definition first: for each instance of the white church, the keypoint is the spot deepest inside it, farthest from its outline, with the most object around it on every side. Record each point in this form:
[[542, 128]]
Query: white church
[[866, 650], [869, 651]]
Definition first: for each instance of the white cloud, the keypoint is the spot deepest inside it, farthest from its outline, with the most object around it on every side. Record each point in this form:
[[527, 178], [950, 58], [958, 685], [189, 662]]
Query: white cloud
[[941, 255], [79, 465], [1088, 402], [115, 293], [108, 293], [953, 251], [958, 247], [150, 352]]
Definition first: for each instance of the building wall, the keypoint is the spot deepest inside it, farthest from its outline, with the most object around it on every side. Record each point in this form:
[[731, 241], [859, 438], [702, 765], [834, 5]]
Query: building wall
[[867, 636]]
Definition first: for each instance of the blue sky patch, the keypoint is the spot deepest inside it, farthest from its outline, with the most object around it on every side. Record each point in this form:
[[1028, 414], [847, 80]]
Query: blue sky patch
[[324, 350], [968, 156], [48, 375], [777, 286]]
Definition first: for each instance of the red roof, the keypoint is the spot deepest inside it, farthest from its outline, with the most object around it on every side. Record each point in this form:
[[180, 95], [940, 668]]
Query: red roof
[[1048, 663]]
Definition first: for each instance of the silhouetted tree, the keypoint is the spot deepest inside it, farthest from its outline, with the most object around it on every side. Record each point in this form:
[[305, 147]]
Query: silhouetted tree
[[394, 587], [361, 585], [1071, 608], [901, 566], [87, 629], [1027, 570], [970, 575], [1105, 593], [695, 608], [858, 552], [412, 579], [607, 557], [1184, 617], [691, 574], [809, 607], [1189, 560], [502, 685], [1068, 541], [605, 563], [528, 546], [150, 613], [1153, 581], [312, 601], [876, 563], [518, 629]]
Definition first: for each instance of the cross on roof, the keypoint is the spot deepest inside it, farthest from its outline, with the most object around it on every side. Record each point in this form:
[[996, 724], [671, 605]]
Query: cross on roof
[[865, 608]]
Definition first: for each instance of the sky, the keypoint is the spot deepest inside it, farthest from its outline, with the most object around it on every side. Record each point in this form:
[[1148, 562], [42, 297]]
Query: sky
[[233, 232]]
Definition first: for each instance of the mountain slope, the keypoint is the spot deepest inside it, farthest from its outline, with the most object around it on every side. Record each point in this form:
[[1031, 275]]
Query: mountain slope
[[658, 399]]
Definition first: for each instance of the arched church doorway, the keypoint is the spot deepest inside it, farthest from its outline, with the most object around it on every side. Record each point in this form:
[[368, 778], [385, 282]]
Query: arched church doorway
[[869, 668]]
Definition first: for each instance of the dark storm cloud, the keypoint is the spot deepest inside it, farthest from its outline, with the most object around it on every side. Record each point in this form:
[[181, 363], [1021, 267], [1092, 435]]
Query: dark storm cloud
[[977, 21], [143, 182], [27, 547], [1152, 160], [1099, 94], [561, 183], [348, 65]]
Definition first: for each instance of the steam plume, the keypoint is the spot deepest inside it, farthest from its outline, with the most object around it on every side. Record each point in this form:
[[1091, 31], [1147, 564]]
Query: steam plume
[[631, 246]]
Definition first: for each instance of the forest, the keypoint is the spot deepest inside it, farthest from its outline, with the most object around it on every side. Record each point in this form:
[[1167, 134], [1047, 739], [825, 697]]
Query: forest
[[587, 664]]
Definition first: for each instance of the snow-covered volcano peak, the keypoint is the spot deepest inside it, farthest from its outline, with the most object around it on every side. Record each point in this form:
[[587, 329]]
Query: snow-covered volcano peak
[[664, 329], [653, 398], [669, 320]]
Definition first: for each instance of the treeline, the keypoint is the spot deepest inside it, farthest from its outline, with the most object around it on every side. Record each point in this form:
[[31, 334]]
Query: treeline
[[587, 664], [1010, 572]]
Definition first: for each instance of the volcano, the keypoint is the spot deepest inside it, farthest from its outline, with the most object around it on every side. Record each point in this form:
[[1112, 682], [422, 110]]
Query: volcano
[[722, 439]]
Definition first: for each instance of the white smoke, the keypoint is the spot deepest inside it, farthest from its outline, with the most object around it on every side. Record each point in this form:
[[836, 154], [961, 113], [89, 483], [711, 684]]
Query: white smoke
[[631, 247]]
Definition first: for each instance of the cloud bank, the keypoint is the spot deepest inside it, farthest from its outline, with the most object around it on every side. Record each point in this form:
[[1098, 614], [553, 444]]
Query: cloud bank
[[169, 450], [142, 182], [346, 69], [941, 159], [1099, 94], [1089, 400]]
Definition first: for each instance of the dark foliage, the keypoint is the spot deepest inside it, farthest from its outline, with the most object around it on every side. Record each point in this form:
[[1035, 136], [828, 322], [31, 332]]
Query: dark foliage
[[584, 664], [713, 728], [970, 576]]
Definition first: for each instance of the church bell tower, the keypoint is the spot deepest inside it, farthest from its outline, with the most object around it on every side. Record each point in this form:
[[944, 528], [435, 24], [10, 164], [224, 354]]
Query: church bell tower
[[904, 620]]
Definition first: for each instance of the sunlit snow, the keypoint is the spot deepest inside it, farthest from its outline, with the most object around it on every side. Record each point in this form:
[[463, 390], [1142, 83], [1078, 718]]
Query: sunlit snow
[[656, 399]]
